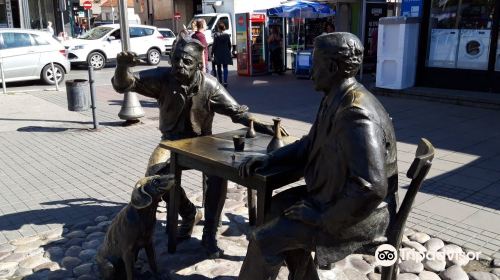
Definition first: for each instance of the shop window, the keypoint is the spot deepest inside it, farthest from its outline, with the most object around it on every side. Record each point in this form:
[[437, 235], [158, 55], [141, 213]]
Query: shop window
[[16, 40], [460, 34]]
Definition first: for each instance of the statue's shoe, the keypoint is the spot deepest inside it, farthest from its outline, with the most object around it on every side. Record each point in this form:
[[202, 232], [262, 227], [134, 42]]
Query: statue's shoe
[[187, 225], [210, 244]]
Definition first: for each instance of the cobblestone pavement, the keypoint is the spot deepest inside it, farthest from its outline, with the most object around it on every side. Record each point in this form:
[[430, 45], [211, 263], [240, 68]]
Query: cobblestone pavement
[[55, 172]]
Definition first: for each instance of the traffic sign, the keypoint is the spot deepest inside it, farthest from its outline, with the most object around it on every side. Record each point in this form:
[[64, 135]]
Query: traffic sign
[[87, 5], [177, 15]]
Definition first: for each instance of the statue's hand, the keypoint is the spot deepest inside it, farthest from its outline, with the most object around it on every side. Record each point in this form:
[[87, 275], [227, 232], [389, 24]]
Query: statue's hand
[[268, 129], [251, 164], [127, 59], [304, 212]]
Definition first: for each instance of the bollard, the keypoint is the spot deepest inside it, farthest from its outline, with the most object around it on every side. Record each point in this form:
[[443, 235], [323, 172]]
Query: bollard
[[54, 74], [92, 96], [3, 77]]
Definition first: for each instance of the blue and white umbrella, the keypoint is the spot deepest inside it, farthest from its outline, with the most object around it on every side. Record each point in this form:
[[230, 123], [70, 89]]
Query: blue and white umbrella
[[301, 9]]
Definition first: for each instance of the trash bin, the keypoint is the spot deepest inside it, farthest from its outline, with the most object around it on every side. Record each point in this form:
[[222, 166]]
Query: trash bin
[[78, 95]]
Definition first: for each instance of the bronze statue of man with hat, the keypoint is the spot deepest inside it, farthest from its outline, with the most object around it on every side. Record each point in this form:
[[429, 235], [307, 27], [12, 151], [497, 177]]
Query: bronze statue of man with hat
[[188, 98]]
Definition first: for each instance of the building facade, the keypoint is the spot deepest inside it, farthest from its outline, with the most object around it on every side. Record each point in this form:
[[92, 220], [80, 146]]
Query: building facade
[[459, 45]]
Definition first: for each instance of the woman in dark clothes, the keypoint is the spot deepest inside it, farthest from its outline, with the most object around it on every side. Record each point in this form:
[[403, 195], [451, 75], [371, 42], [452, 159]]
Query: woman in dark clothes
[[221, 51], [201, 25]]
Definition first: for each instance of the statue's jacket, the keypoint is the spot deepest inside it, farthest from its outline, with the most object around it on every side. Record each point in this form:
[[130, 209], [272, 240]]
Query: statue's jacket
[[185, 111], [350, 169]]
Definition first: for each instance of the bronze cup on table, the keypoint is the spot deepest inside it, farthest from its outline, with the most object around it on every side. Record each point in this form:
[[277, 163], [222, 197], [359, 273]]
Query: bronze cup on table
[[239, 142]]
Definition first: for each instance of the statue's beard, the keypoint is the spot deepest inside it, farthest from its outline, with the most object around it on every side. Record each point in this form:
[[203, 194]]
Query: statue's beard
[[181, 74]]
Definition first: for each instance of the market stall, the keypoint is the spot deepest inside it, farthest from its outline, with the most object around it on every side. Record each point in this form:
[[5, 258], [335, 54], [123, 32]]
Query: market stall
[[300, 13]]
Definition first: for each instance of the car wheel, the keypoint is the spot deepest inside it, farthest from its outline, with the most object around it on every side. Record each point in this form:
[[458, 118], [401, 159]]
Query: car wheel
[[154, 57], [49, 77], [96, 60]]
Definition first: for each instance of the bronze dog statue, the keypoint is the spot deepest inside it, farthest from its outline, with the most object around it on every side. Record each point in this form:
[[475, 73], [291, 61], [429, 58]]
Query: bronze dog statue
[[132, 229]]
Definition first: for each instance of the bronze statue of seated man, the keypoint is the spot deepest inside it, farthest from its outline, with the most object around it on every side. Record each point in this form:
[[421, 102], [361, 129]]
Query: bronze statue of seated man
[[350, 170]]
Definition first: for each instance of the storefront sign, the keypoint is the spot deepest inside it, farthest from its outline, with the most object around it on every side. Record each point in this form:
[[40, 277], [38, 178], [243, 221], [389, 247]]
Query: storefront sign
[[411, 8], [258, 18]]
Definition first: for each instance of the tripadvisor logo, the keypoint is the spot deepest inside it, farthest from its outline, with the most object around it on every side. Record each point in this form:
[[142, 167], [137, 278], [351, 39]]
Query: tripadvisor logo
[[387, 255]]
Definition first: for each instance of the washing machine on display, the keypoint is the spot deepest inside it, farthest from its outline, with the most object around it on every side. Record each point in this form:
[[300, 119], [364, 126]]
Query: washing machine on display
[[474, 48], [443, 48]]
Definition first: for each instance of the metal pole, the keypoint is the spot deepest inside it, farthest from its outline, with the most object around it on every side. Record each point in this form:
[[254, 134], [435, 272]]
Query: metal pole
[[3, 77], [363, 22], [92, 96], [88, 15], [54, 74], [40, 15], [113, 14], [62, 21], [131, 109], [124, 32]]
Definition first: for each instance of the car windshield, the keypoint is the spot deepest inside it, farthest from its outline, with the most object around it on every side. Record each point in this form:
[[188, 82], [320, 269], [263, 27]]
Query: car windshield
[[208, 19], [96, 33]]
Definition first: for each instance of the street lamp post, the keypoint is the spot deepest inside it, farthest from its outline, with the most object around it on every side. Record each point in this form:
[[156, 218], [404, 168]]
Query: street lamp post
[[131, 109]]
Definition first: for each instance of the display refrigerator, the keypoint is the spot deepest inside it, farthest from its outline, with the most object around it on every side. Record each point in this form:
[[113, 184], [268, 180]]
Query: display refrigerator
[[251, 44]]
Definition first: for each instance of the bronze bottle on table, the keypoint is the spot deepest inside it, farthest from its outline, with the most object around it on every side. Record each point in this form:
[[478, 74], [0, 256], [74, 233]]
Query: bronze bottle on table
[[277, 141], [251, 130]]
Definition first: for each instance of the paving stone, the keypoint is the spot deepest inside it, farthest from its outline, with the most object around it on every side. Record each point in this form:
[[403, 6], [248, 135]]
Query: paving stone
[[74, 241], [82, 269], [428, 275], [81, 226], [54, 253], [104, 225], [21, 272], [99, 219], [360, 265], [374, 276], [3, 255], [407, 276], [28, 247], [461, 260], [410, 254], [369, 259], [7, 248], [96, 235], [408, 231], [451, 249], [60, 274], [480, 275], [434, 244], [76, 234], [436, 265], [91, 229], [51, 234], [454, 273], [47, 265], [7, 269], [411, 267], [353, 274], [33, 261], [87, 254], [92, 244], [15, 257], [415, 245], [496, 271], [70, 262], [420, 237], [495, 263], [25, 240], [73, 251]]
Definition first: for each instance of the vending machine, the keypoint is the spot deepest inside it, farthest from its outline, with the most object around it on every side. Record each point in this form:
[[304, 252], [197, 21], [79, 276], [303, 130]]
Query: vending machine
[[251, 44]]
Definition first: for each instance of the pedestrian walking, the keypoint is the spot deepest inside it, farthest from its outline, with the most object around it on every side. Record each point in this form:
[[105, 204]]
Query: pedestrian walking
[[50, 29], [201, 25], [221, 53], [275, 42]]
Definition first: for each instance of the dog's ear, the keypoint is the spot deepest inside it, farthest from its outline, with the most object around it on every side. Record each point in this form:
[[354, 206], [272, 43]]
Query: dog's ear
[[140, 198]]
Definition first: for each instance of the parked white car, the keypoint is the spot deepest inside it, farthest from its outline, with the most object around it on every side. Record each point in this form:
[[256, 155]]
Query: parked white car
[[26, 55], [101, 44], [168, 37]]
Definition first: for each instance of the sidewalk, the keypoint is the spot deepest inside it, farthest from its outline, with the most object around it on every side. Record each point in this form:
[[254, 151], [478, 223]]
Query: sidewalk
[[54, 171]]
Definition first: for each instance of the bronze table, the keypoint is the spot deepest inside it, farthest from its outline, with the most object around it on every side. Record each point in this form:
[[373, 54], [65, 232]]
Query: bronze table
[[215, 155]]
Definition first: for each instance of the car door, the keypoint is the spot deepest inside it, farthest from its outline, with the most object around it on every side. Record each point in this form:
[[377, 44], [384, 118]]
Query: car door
[[113, 46], [20, 55], [138, 44]]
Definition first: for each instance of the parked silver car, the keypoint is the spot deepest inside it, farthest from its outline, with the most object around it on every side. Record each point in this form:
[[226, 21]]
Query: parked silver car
[[26, 55]]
